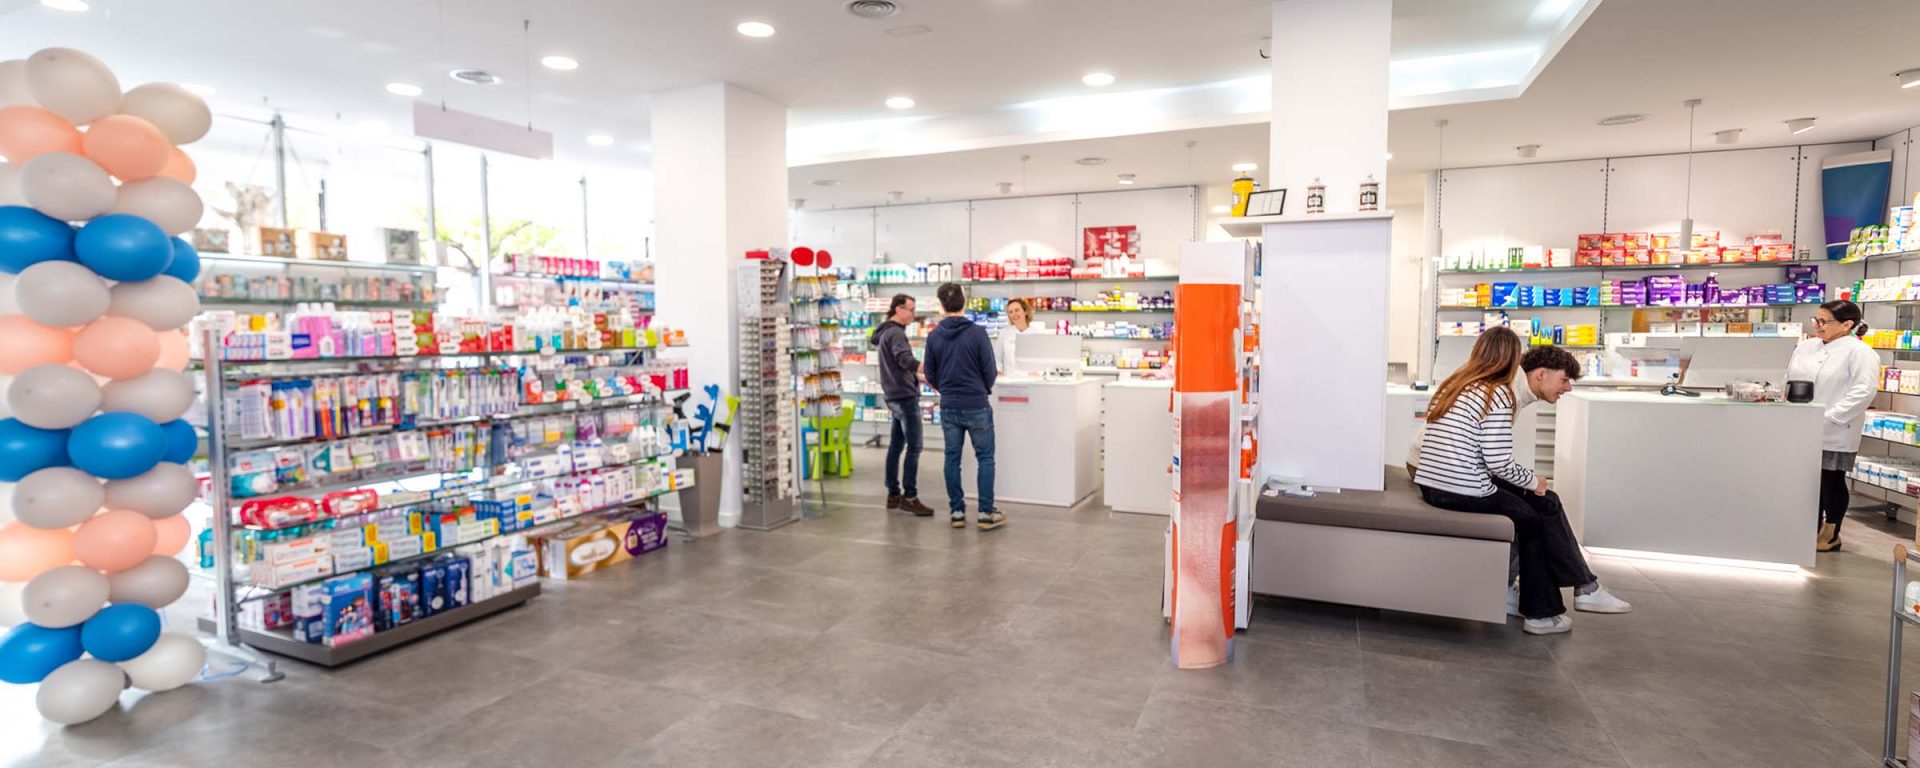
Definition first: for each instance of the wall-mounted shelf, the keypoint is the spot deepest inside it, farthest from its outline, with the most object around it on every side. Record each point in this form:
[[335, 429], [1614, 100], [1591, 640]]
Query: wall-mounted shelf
[[1638, 267], [1253, 226], [274, 261], [235, 301]]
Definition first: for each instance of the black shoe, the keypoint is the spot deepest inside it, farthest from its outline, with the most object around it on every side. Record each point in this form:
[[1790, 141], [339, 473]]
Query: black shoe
[[914, 505], [893, 500]]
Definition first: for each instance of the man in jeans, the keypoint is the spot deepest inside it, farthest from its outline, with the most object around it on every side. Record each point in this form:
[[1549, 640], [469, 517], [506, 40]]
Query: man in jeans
[[960, 367], [900, 387]]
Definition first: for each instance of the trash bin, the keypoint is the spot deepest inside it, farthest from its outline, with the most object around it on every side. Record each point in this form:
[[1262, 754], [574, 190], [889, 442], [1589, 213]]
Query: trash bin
[[700, 505]]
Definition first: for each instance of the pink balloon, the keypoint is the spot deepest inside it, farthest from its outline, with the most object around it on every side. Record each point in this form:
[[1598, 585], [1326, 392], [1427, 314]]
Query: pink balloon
[[115, 540], [171, 535], [28, 552], [117, 347], [29, 344], [180, 167], [174, 350], [129, 147], [27, 132]]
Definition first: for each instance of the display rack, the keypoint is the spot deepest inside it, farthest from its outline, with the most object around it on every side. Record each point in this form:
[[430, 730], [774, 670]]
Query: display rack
[[769, 480], [423, 487], [1896, 627]]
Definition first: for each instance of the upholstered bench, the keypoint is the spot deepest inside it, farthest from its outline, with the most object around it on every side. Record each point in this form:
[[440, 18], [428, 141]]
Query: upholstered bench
[[1382, 549]]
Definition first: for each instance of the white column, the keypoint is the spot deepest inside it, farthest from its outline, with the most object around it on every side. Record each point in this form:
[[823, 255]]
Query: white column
[[720, 190], [1324, 278]]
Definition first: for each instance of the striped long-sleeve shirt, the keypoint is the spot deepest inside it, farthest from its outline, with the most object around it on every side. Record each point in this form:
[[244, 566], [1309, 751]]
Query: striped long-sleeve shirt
[[1470, 446]]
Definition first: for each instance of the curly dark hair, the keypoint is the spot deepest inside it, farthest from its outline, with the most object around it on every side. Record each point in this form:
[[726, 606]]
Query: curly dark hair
[[1551, 357]]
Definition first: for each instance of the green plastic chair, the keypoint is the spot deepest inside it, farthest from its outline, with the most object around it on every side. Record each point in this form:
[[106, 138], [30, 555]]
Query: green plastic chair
[[833, 445]]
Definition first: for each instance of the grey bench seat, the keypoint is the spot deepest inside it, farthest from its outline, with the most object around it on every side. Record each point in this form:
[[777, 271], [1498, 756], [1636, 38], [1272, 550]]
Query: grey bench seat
[[1398, 508]]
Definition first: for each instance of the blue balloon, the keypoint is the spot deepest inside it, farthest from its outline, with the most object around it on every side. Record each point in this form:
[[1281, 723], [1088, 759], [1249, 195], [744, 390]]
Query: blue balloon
[[182, 441], [25, 450], [186, 262], [28, 237], [122, 246], [116, 446], [120, 632], [29, 652]]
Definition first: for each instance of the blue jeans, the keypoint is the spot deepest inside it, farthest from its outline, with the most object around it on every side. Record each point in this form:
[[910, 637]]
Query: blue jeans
[[906, 438], [956, 425]]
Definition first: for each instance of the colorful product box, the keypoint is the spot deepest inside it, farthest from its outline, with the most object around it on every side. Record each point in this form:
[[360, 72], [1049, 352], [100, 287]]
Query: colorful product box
[[349, 614]]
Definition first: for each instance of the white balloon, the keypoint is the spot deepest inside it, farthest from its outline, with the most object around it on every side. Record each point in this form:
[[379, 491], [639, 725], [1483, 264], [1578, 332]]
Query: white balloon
[[160, 394], [73, 85], [64, 596], [159, 493], [57, 497], [53, 396], [164, 201], [80, 691], [10, 613], [163, 303], [10, 193], [156, 583], [13, 83], [62, 294], [173, 661], [67, 186], [6, 502], [176, 111], [6, 411]]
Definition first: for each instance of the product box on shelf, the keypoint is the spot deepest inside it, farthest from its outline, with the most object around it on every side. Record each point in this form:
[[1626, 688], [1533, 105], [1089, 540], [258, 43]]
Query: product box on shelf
[[599, 543], [349, 612]]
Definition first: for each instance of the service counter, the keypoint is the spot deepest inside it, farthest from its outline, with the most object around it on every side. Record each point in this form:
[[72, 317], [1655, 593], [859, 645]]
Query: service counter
[[1046, 439], [1137, 427]]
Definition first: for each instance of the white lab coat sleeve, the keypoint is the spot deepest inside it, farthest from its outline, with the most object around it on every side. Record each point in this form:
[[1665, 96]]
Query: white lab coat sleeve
[[1863, 374]]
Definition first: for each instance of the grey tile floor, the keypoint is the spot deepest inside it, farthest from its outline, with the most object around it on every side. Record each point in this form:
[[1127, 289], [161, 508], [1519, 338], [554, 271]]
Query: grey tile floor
[[863, 638]]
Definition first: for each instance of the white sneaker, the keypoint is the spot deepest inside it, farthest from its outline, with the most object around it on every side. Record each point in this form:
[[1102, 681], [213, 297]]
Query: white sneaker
[[1513, 601], [1548, 626], [1601, 601]]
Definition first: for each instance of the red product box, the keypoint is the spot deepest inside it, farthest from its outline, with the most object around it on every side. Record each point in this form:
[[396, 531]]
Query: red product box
[[1637, 240], [1779, 252], [1660, 255], [1592, 242], [1666, 241], [1737, 255], [1613, 257], [1639, 256], [1587, 257], [1613, 240]]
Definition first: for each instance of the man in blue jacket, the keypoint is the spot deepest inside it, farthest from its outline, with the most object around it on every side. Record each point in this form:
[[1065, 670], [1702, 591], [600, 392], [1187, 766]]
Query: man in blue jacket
[[960, 367]]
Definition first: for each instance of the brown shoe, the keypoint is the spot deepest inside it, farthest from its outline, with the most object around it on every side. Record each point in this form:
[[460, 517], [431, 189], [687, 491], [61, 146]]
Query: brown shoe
[[990, 520], [1829, 538], [914, 505], [893, 501]]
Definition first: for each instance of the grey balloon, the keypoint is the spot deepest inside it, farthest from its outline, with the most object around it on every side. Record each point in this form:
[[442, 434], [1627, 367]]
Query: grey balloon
[[158, 493], [62, 294], [160, 394], [163, 303], [57, 497], [64, 596], [80, 691], [53, 396], [155, 583]]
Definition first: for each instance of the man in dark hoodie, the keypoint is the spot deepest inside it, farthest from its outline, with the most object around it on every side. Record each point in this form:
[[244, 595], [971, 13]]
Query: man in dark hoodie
[[960, 367], [900, 387]]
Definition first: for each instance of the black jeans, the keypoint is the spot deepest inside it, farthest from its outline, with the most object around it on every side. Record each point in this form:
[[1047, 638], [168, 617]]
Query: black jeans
[[1834, 497], [906, 438], [1549, 558]]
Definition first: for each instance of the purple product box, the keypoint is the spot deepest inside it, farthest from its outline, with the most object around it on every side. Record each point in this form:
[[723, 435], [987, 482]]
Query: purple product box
[[646, 534], [1666, 290], [1780, 293], [1806, 274], [1814, 293]]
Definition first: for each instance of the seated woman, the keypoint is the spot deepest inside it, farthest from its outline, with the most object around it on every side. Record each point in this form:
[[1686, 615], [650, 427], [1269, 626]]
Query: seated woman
[[1466, 465]]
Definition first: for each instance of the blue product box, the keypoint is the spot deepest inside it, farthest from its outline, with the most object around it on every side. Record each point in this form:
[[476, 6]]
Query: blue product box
[[1810, 293], [1780, 293], [1554, 297], [433, 588], [1503, 294], [399, 594], [524, 567], [459, 570], [349, 613]]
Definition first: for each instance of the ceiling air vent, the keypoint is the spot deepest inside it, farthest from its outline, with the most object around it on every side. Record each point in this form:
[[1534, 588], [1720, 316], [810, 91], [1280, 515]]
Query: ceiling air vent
[[1626, 119], [475, 77], [872, 9]]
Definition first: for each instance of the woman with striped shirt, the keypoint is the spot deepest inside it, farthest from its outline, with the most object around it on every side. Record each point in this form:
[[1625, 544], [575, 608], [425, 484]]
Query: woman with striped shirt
[[1466, 465]]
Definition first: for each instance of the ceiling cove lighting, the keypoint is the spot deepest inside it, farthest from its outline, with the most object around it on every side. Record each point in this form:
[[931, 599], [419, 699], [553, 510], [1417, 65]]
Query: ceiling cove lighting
[[1909, 78], [755, 29], [1799, 125], [900, 102], [1126, 179], [1098, 79], [404, 89], [600, 140], [71, 6], [559, 63]]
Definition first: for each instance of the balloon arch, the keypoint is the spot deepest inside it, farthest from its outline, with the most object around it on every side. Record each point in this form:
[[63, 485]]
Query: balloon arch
[[95, 290]]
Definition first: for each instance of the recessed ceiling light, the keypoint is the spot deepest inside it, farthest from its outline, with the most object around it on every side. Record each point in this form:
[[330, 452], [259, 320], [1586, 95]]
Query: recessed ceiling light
[[404, 89], [476, 77], [1623, 119], [600, 140], [1728, 136], [755, 29], [1223, 209], [900, 102], [560, 63], [1091, 161], [1246, 167], [1126, 179], [1097, 79], [75, 6], [1909, 78], [198, 89], [1800, 125], [826, 182]]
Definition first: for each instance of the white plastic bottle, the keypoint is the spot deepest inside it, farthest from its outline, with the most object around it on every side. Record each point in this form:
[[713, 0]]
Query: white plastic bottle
[[1912, 598]]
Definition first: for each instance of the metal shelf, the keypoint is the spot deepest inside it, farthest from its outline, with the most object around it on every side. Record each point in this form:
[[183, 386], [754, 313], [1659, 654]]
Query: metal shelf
[[282, 643], [441, 356], [237, 301], [1638, 267], [581, 278], [1513, 310], [275, 261], [521, 411]]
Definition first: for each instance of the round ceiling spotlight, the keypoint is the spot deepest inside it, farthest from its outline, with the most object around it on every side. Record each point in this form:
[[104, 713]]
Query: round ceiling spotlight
[[1098, 79], [755, 29], [404, 89], [1527, 150], [1623, 119], [560, 63], [1091, 161], [900, 102], [476, 77], [873, 9]]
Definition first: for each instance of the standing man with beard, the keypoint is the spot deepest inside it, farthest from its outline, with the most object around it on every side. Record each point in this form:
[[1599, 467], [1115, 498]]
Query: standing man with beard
[[900, 387]]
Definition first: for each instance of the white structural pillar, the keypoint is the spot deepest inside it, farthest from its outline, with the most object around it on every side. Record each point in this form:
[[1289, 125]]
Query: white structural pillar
[[1325, 276], [720, 190]]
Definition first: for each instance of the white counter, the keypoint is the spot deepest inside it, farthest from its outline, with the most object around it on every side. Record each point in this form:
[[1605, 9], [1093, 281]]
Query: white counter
[[1138, 437], [1047, 442], [1701, 477]]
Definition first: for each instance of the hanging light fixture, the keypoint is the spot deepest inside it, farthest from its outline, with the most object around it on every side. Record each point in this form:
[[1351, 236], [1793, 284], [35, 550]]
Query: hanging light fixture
[[1686, 224]]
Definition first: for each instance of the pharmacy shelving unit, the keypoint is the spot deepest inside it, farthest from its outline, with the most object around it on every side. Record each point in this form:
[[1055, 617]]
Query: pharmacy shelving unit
[[1893, 315], [424, 278], [765, 423], [1899, 618], [234, 588]]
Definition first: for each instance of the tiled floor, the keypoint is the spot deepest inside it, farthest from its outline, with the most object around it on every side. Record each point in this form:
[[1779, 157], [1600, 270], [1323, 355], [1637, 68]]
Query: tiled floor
[[863, 638]]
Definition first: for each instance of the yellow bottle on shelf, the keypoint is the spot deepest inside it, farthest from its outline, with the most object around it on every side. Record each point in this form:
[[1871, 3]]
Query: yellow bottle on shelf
[[1242, 189]]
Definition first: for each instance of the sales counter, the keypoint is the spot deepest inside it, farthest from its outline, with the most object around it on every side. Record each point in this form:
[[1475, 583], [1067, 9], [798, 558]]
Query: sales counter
[[1701, 477], [1046, 439], [1137, 427]]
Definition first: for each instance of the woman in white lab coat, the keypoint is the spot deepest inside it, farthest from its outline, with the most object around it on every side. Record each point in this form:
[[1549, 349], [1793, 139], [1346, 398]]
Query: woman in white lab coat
[[1845, 373], [1019, 321]]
